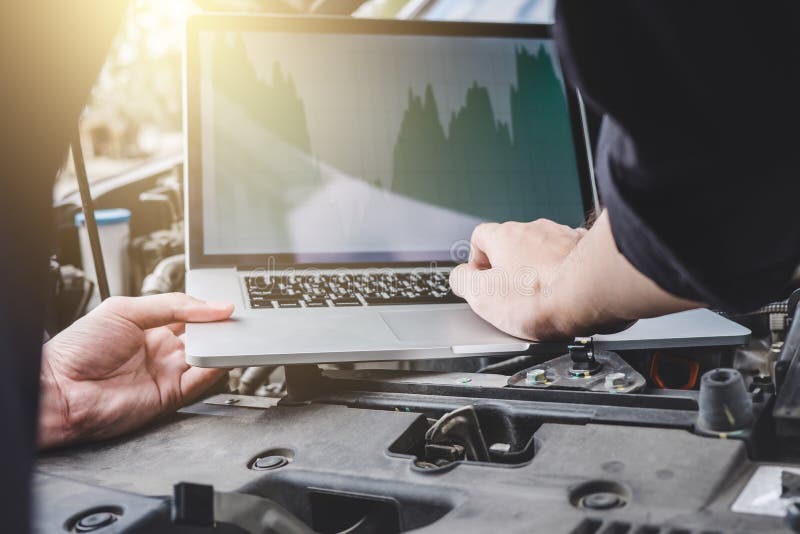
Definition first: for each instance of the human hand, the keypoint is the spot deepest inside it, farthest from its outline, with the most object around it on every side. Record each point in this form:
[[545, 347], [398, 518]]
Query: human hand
[[508, 278], [121, 366], [543, 281]]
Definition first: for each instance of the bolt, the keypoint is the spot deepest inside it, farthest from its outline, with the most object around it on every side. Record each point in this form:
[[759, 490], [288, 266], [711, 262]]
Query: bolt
[[464, 380], [231, 401], [536, 376], [95, 521], [616, 380], [602, 501], [269, 462]]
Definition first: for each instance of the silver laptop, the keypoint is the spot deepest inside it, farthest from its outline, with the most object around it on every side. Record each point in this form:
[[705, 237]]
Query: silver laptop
[[337, 167]]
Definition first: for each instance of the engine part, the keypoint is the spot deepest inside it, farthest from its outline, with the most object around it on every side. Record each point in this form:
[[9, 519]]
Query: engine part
[[672, 371], [561, 373], [166, 277], [787, 383], [252, 378], [790, 485], [583, 360], [71, 291], [724, 404], [793, 516], [536, 376], [459, 428], [148, 250], [162, 199], [199, 505]]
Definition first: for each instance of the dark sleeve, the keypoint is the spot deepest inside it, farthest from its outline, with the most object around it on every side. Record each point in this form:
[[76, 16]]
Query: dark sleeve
[[697, 158], [51, 54]]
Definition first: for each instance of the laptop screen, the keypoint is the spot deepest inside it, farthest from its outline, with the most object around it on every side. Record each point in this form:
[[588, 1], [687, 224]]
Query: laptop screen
[[335, 147]]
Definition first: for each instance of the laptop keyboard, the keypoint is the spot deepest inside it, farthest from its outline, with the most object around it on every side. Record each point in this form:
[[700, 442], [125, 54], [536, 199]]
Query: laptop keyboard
[[347, 290]]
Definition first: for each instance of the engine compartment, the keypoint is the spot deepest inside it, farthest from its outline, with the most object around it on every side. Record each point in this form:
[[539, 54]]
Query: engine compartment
[[396, 450]]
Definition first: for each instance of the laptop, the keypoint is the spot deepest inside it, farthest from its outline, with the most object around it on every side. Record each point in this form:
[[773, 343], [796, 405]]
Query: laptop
[[336, 168]]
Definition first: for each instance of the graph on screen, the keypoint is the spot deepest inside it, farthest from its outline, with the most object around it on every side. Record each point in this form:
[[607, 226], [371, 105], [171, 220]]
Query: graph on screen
[[297, 145]]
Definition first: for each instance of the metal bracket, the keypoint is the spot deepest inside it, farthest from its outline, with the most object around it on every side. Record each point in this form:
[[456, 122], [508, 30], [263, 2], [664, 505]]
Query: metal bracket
[[611, 374], [243, 401]]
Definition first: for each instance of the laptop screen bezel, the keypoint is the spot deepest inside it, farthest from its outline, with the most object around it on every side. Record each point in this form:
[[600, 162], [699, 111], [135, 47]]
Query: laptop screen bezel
[[193, 171]]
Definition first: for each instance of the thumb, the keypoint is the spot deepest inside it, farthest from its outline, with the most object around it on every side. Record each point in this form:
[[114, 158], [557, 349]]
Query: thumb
[[476, 286], [196, 380], [481, 288], [159, 310], [461, 278]]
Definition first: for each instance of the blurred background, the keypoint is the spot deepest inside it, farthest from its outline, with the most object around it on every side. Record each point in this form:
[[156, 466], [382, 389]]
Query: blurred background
[[134, 114]]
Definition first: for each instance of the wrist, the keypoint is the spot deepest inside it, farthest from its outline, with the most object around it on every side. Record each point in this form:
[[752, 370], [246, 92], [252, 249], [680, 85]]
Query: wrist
[[558, 319], [54, 427], [574, 315], [575, 299]]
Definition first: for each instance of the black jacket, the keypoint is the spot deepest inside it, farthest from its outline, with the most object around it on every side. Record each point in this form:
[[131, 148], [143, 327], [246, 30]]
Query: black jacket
[[697, 158]]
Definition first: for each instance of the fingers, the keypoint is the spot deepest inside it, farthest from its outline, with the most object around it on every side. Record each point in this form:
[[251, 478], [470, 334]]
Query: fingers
[[195, 380], [166, 309], [177, 328], [483, 290], [480, 242], [473, 284], [460, 277]]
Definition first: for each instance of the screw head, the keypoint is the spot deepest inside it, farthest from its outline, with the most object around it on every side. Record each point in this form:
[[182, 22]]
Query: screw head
[[269, 462], [95, 521], [464, 380], [231, 401], [536, 376], [602, 501], [616, 380]]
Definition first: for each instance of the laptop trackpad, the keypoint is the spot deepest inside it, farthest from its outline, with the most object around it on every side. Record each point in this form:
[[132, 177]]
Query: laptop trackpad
[[443, 327]]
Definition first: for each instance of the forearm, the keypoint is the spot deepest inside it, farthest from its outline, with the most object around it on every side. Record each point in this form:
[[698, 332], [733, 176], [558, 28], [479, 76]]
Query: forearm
[[596, 287]]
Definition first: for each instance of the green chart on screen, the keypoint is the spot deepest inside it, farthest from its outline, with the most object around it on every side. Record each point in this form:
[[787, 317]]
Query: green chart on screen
[[472, 163]]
